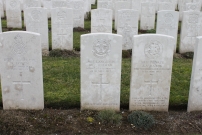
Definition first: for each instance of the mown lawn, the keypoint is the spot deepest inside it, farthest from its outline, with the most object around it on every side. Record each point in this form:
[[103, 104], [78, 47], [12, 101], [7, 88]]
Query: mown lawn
[[62, 82]]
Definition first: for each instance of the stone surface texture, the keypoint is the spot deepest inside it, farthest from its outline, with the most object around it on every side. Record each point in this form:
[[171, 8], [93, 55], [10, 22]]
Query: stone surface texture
[[151, 70], [22, 75], [101, 56]]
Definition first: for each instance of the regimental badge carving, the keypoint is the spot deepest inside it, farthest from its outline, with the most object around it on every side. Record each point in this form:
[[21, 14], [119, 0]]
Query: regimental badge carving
[[13, 3], [101, 48], [61, 16], [193, 18], [153, 49], [36, 15], [18, 46]]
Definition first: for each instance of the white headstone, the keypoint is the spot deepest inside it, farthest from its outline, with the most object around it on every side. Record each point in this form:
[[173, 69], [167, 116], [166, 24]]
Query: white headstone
[[195, 92], [37, 22], [28, 4], [147, 21], [101, 56], [136, 5], [155, 2], [59, 3], [167, 24], [119, 6], [108, 4], [127, 26], [151, 70], [193, 7], [1, 8], [4, 5], [22, 76], [62, 28], [105, 4], [182, 7], [48, 5], [31, 3], [190, 29], [13, 14], [93, 1], [78, 11], [166, 6], [101, 20]]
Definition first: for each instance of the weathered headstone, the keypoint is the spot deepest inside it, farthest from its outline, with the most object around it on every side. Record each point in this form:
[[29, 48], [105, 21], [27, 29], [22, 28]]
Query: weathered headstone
[[167, 24], [28, 4], [48, 5], [62, 28], [152, 59], [4, 5], [21, 66], [59, 3], [101, 20], [119, 6], [182, 7], [1, 8], [127, 26], [101, 56], [31, 3], [13, 14], [87, 8], [147, 21], [78, 11], [108, 4], [37, 22], [136, 5], [193, 7], [105, 4], [154, 2], [195, 92], [166, 6], [93, 1], [191, 28]]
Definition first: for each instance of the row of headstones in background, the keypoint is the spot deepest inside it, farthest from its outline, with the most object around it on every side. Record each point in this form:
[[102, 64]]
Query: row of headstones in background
[[14, 19], [154, 6], [101, 58], [167, 23], [127, 24]]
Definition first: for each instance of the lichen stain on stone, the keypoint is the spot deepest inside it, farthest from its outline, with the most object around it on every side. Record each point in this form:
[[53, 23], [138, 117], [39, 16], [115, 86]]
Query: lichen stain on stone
[[19, 87], [31, 69]]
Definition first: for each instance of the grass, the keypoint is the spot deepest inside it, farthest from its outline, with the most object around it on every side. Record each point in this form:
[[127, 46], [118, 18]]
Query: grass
[[62, 76], [62, 82]]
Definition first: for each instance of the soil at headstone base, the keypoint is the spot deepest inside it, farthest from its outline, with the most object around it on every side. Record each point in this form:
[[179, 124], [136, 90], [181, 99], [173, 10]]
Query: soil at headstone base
[[74, 121]]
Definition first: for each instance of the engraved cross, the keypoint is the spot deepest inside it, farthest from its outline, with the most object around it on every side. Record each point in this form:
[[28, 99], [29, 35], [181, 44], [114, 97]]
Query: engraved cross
[[100, 84], [151, 82], [19, 84]]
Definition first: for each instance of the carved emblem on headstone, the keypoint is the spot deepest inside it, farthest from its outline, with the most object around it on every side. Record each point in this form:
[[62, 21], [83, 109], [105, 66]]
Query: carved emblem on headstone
[[36, 15], [101, 48], [13, 3], [153, 49], [18, 46]]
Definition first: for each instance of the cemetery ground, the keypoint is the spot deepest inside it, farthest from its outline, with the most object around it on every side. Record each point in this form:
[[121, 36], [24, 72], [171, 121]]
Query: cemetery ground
[[62, 114]]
